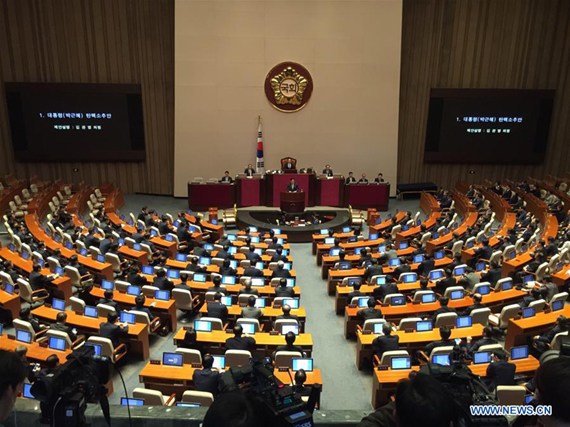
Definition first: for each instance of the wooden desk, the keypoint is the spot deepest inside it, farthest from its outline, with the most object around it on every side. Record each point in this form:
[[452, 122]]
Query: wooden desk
[[269, 315], [378, 228], [562, 277], [336, 276], [518, 330], [363, 196], [138, 333], [410, 340], [265, 343], [10, 303], [264, 291], [164, 309], [413, 231], [35, 351], [523, 366]]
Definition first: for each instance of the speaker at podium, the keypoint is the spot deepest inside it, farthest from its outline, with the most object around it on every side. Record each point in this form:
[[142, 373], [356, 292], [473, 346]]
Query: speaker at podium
[[292, 203]]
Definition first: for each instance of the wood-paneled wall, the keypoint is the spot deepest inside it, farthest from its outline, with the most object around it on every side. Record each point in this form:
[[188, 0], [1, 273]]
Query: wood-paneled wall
[[95, 41], [523, 44]]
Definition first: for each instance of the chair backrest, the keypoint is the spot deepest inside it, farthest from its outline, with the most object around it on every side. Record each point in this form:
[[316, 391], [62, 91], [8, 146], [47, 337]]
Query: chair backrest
[[279, 323], [114, 260], [53, 263], [244, 263], [73, 274], [490, 347], [104, 310], [553, 261], [183, 299], [445, 319], [481, 316], [202, 398], [254, 322], [242, 298], [456, 248], [190, 355], [387, 356], [409, 323], [419, 294], [451, 289], [77, 305], [501, 281], [508, 312], [149, 291], [470, 240], [561, 296], [20, 325], [538, 305], [480, 285], [25, 290], [106, 344], [5, 278], [236, 358], [556, 341], [140, 317], [425, 237], [389, 297], [541, 271], [284, 359], [511, 394], [60, 334], [369, 324], [211, 294], [396, 229], [151, 397], [217, 324], [446, 349], [218, 261]]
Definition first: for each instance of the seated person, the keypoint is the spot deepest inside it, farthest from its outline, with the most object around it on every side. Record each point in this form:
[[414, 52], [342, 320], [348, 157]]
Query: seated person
[[385, 342], [207, 378], [184, 283], [289, 346], [26, 316], [499, 371], [239, 342], [488, 333], [286, 309], [162, 282], [217, 309], [191, 342], [248, 289], [552, 382], [477, 298], [373, 270], [369, 312], [493, 274], [108, 300], [60, 325], [217, 281], [443, 302], [350, 179], [135, 278], [251, 271], [354, 293], [194, 267], [379, 178], [328, 171], [227, 270], [39, 281], [85, 295], [251, 311], [423, 286], [387, 288], [283, 290], [227, 179], [443, 284], [542, 342], [275, 245], [113, 330], [249, 171], [139, 306], [300, 387], [278, 256], [363, 179], [444, 333]]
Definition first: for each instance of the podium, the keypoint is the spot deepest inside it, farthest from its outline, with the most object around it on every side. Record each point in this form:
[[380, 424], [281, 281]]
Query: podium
[[292, 202]]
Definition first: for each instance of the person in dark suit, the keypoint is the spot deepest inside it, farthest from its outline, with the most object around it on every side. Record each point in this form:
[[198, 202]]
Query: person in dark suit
[[373, 270], [90, 239], [542, 342], [162, 282], [184, 283], [227, 179], [226, 269], [217, 309], [444, 333], [60, 325], [165, 226], [289, 346], [135, 278], [108, 300], [194, 266], [112, 330], [39, 281], [251, 271], [363, 179], [85, 295], [381, 291], [139, 306], [350, 179], [493, 275], [224, 252], [249, 171], [405, 267], [105, 244], [477, 298], [443, 301], [26, 316], [239, 342], [487, 339], [328, 171], [289, 165], [386, 342], [369, 312], [427, 265], [252, 256], [379, 178], [551, 249], [280, 271], [499, 371], [354, 293], [292, 187], [423, 286], [274, 243], [485, 251], [442, 284], [206, 379], [191, 342], [283, 290], [248, 289], [286, 309], [278, 256]]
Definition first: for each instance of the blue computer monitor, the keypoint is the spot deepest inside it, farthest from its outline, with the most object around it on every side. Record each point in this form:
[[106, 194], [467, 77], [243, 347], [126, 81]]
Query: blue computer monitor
[[428, 298], [334, 251], [410, 277], [463, 322], [352, 239], [260, 302], [58, 304], [380, 280], [148, 269], [329, 241], [101, 258], [480, 266], [299, 363], [557, 305], [234, 263], [41, 262], [91, 311], [324, 232], [357, 251], [394, 262], [60, 271], [470, 244], [398, 300], [346, 229], [424, 326], [83, 252], [354, 281], [363, 302], [162, 295], [96, 348], [137, 247], [441, 359], [232, 250], [56, 343], [438, 254], [484, 290], [23, 336], [25, 254], [128, 317], [458, 294], [481, 357], [199, 277], [344, 265], [248, 328], [208, 246], [257, 281], [528, 278], [276, 230], [133, 290], [404, 362], [405, 227], [219, 362], [458, 271], [204, 260], [418, 259], [290, 328], [27, 391], [131, 402], [187, 405], [528, 312], [181, 257], [403, 245], [434, 235], [373, 236], [173, 274], [378, 328], [254, 239], [226, 300], [381, 248], [169, 238], [9, 288], [520, 352], [232, 237], [435, 274], [228, 280], [11, 247], [260, 266], [172, 359], [290, 282], [107, 285], [291, 302], [507, 285], [203, 325]]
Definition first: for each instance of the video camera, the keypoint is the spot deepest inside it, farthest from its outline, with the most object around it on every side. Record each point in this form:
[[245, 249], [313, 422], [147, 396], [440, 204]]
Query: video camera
[[64, 394], [279, 404]]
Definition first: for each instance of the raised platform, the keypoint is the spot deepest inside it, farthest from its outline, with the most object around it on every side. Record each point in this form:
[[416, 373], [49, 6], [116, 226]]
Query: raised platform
[[314, 220]]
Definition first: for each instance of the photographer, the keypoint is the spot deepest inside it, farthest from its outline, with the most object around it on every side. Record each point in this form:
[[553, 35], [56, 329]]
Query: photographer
[[12, 375]]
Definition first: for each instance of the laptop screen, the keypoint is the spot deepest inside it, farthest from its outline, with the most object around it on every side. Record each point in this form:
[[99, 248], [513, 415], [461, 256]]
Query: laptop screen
[[378, 328], [27, 391], [56, 343], [234, 263], [291, 302], [458, 271], [435, 235], [199, 277], [83, 251], [352, 239], [229, 280], [528, 278], [60, 271], [481, 357], [394, 262], [290, 328], [441, 359], [169, 238], [380, 280], [381, 248], [398, 300], [456, 294], [187, 405], [248, 328], [257, 281], [519, 352], [232, 250], [232, 237], [507, 285], [401, 362], [219, 362], [463, 321], [410, 277], [363, 302], [127, 317], [133, 290], [107, 285], [203, 325], [344, 265], [428, 298], [405, 227], [204, 260], [208, 247], [324, 232], [557, 305], [148, 269], [303, 363], [528, 312], [137, 246], [424, 326], [162, 295], [254, 239], [131, 402], [354, 281], [91, 311], [438, 254], [435, 274], [259, 265], [334, 251], [58, 304], [101, 258], [346, 229], [403, 245], [418, 259], [23, 336], [372, 236], [227, 301], [96, 348], [9, 288], [484, 290], [173, 274], [480, 266], [329, 241], [260, 302], [172, 359]]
